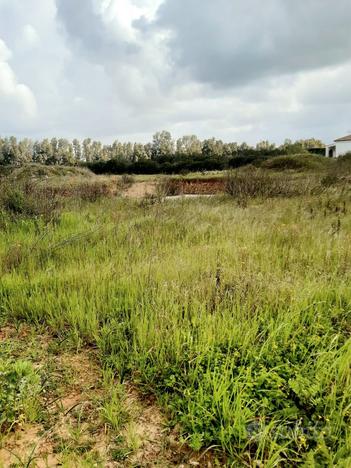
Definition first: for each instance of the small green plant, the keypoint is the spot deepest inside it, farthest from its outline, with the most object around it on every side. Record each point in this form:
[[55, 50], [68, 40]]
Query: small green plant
[[113, 408], [19, 390]]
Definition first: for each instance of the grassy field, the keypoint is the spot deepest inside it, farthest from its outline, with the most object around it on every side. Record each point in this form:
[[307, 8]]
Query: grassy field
[[234, 316]]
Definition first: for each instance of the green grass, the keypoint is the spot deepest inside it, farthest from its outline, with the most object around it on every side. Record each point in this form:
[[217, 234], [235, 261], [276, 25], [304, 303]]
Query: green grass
[[237, 319], [298, 162], [40, 171]]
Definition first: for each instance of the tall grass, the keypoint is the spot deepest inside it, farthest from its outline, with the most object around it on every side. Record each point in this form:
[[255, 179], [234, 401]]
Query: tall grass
[[250, 183], [238, 319]]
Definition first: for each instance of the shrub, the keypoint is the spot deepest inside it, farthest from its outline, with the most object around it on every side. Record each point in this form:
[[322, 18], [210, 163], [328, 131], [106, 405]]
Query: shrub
[[91, 191], [27, 200], [14, 201], [240, 161]]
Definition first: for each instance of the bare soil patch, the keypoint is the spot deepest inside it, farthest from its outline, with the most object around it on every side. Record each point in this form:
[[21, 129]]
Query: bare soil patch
[[140, 190], [71, 431]]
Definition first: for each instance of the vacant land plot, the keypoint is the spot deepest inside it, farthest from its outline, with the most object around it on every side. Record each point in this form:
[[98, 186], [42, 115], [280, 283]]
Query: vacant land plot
[[209, 331]]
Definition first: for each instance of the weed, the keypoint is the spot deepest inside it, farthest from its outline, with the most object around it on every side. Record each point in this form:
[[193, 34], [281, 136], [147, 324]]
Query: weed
[[168, 187], [19, 390], [113, 411]]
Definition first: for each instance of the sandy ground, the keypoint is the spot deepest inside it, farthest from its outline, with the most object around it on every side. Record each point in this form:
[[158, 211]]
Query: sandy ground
[[72, 429], [140, 190]]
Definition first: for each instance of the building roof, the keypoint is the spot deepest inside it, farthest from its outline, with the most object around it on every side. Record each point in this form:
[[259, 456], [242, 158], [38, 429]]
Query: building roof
[[345, 138]]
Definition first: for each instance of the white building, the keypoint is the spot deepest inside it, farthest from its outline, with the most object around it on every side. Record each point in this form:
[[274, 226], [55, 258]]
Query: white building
[[339, 147]]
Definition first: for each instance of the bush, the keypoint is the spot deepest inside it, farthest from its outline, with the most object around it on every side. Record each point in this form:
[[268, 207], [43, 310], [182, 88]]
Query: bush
[[173, 165], [14, 201], [91, 191], [240, 161], [27, 200]]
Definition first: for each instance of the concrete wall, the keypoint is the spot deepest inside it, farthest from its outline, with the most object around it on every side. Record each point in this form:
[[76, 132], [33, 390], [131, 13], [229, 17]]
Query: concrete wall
[[328, 150], [342, 147]]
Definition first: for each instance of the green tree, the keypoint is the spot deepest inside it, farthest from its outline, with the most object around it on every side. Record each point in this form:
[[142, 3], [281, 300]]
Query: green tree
[[43, 152], [65, 152], [96, 150], [139, 152], [77, 150], [10, 151], [25, 148], [212, 148], [189, 145], [87, 153], [265, 145], [162, 145]]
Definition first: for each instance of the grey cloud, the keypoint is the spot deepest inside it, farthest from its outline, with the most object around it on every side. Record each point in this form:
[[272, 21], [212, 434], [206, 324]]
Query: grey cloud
[[231, 42], [86, 28]]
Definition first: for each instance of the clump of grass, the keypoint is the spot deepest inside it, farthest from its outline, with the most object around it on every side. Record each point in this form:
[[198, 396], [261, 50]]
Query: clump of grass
[[127, 180], [168, 186], [113, 407]]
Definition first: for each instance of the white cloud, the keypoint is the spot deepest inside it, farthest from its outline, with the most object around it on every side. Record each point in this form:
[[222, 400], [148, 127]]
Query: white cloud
[[30, 36], [15, 98]]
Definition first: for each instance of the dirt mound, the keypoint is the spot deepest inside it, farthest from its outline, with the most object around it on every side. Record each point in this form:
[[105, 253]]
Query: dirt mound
[[298, 162]]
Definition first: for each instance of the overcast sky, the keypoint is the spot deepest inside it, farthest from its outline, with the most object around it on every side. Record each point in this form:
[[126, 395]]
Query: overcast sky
[[240, 70]]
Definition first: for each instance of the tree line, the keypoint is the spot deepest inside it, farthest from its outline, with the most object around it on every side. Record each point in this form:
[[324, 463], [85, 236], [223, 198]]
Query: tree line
[[163, 150]]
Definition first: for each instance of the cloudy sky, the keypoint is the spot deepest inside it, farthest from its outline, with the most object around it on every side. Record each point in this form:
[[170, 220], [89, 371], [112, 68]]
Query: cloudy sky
[[240, 70]]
